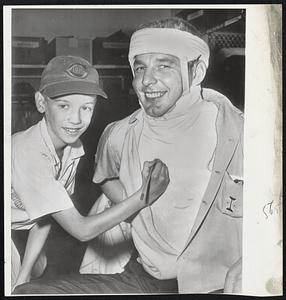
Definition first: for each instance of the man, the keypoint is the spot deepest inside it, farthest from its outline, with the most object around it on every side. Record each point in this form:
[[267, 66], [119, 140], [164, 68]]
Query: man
[[189, 241]]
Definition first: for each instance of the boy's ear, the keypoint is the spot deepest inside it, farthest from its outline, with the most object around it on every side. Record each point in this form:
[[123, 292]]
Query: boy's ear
[[40, 102], [199, 73]]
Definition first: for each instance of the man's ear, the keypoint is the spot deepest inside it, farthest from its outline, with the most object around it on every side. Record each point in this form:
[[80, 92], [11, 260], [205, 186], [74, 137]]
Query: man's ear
[[40, 102], [199, 73]]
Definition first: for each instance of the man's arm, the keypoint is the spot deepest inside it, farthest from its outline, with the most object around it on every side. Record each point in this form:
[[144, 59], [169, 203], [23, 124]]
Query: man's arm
[[113, 190], [37, 237]]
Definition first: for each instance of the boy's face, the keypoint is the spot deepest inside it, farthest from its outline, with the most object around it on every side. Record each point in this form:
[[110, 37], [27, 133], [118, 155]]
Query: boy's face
[[68, 117]]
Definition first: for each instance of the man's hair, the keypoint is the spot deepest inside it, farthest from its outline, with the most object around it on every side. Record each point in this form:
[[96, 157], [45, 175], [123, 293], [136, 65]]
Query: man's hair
[[180, 24], [174, 23]]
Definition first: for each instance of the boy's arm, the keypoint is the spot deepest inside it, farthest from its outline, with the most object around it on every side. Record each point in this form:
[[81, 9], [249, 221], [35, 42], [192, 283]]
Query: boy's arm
[[37, 237], [86, 228]]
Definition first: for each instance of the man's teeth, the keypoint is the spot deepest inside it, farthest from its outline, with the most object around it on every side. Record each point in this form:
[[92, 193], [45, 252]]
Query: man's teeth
[[154, 94]]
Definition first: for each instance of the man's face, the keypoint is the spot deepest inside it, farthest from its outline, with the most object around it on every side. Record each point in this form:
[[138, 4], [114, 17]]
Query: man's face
[[157, 82], [68, 117]]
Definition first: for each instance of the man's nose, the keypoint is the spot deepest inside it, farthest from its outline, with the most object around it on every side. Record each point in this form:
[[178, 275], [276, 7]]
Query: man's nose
[[149, 77], [75, 117]]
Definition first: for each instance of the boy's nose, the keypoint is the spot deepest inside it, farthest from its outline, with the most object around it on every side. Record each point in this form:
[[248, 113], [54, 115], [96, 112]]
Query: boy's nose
[[75, 117]]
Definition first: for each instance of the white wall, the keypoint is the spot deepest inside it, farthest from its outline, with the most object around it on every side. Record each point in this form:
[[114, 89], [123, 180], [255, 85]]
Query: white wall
[[84, 23]]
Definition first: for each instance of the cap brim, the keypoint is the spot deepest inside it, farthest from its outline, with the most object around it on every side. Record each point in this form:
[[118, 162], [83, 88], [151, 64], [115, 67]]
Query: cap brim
[[73, 87]]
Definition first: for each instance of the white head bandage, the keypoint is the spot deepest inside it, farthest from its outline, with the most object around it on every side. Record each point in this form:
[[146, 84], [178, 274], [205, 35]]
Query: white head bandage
[[182, 44]]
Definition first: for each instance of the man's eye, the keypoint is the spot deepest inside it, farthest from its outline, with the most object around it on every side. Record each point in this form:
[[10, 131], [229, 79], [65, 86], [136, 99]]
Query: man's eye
[[161, 67], [139, 69]]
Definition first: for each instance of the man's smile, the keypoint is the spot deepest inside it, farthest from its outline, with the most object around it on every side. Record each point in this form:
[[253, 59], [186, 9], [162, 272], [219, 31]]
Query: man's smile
[[153, 95]]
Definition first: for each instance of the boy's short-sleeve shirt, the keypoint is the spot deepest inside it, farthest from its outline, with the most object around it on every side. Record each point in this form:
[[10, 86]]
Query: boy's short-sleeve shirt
[[41, 183]]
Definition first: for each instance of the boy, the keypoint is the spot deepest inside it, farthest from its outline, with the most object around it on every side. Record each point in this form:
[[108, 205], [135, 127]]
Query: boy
[[44, 161]]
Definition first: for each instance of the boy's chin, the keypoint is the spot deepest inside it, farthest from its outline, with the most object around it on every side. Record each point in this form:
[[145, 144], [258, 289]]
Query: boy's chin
[[71, 140]]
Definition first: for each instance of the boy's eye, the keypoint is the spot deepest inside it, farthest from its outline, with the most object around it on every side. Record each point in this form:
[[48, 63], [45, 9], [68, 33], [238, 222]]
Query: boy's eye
[[87, 108], [63, 106]]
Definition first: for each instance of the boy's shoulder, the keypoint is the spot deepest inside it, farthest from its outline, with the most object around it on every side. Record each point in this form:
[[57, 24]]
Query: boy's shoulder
[[27, 141]]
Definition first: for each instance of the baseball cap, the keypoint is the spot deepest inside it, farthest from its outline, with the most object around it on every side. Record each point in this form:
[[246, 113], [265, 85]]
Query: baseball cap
[[65, 75]]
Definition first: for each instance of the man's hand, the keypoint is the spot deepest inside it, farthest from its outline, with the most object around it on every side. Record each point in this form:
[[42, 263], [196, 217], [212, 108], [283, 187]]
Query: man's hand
[[155, 180], [233, 278]]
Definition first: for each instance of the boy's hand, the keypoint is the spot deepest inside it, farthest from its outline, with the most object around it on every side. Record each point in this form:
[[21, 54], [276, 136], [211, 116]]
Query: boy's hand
[[155, 180]]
